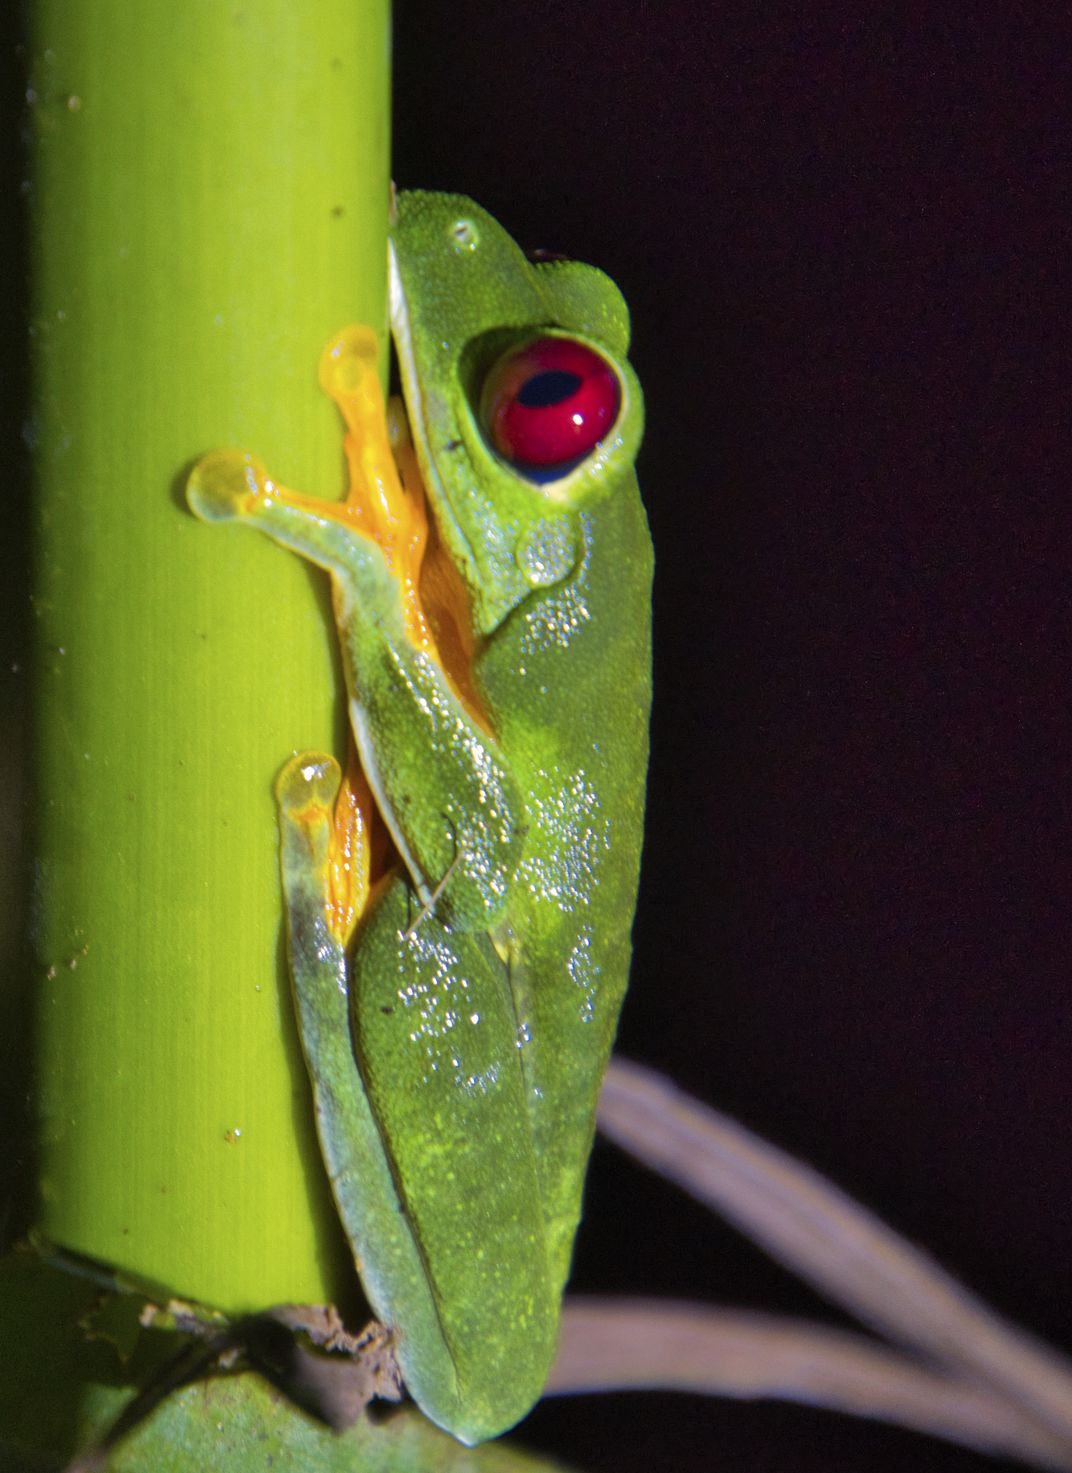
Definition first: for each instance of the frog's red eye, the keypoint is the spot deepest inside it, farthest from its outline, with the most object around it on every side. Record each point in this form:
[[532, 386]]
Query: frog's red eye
[[548, 404]]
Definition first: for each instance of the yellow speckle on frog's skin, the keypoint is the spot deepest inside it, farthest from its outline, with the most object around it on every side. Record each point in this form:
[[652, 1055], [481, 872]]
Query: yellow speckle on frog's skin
[[556, 623], [568, 806], [546, 553]]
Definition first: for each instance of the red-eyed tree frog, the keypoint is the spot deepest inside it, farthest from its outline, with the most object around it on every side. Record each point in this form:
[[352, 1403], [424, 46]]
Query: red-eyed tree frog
[[459, 905]]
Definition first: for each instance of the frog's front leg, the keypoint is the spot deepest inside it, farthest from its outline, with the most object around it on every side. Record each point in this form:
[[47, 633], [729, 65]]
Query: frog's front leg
[[440, 782]]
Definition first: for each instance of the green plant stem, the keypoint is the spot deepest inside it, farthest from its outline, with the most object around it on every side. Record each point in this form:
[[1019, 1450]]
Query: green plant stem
[[210, 196]]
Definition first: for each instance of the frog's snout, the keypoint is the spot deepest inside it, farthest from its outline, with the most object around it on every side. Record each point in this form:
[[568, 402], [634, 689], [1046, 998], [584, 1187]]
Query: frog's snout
[[221, 484]]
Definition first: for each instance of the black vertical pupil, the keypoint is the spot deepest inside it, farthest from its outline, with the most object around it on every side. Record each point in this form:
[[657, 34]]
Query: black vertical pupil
[[551, 386]]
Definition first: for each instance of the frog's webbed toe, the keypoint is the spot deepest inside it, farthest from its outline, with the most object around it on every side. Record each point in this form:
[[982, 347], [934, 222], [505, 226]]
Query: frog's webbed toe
[[222, 484], [305, 791], [349, 363], [310, 780]]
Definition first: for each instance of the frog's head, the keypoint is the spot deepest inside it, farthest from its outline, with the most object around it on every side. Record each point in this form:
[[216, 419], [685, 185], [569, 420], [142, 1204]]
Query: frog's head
[[522, 405]]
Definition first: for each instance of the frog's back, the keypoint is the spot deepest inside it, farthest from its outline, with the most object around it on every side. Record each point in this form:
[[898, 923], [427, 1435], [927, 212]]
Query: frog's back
[[567, 684]]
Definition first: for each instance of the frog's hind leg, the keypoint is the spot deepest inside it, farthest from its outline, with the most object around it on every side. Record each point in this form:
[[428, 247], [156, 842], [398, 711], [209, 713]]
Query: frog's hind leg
[[323, 856], [306, 791], [312, 813]]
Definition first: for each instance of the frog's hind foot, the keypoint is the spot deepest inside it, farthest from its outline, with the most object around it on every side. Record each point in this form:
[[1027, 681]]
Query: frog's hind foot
[[222, 485], [305, 791], [325, 840], [307, 782]]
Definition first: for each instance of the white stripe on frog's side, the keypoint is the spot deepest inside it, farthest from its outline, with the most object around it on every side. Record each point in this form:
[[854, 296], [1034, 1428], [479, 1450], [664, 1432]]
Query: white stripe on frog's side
[[366, 750], [411, 387]]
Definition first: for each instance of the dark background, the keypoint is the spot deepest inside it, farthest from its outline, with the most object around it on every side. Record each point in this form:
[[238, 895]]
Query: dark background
[[844, 237], [843, 234]]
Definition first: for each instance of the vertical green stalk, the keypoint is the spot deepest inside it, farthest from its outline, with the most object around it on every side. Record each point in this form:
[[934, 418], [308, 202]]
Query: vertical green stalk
[[210, 198]]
